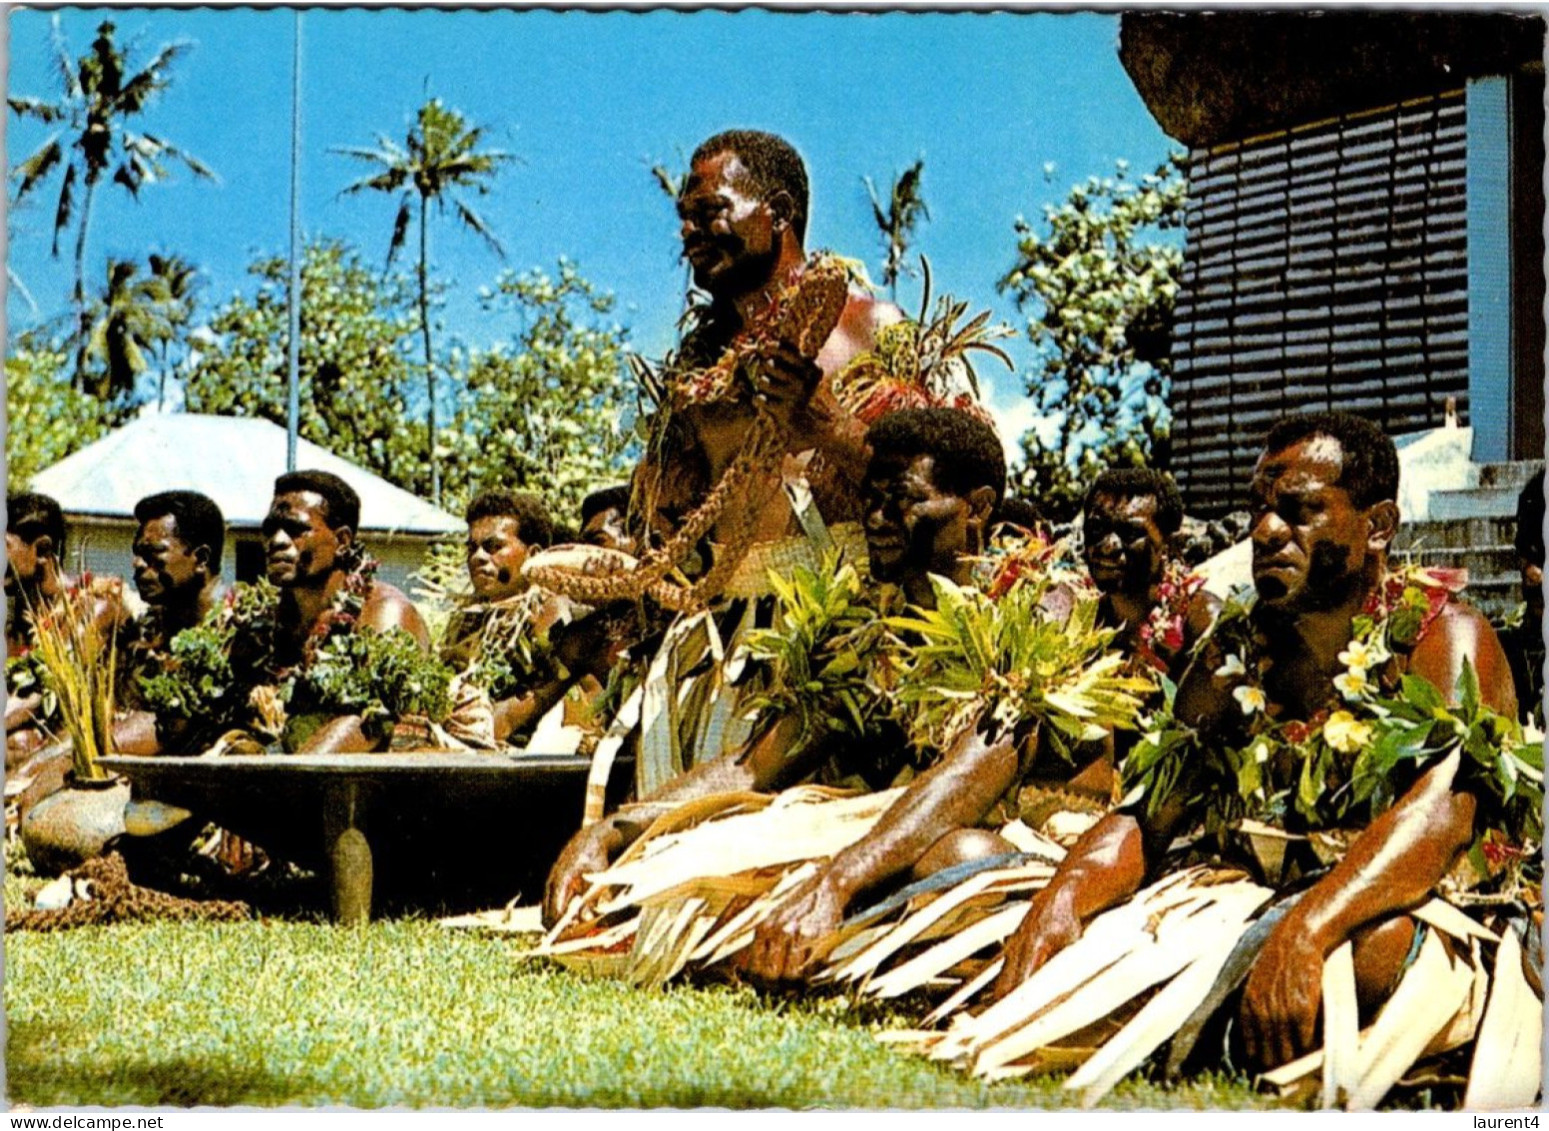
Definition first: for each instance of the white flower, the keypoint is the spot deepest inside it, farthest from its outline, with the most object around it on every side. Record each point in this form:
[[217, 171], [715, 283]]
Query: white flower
[[1250, 699], [1233, 666], [1261, 752], [1345, 733], [1363, 654], [1352, 683]]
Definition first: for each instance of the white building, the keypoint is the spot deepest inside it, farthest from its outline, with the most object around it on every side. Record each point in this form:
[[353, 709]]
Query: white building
[[235, 461]]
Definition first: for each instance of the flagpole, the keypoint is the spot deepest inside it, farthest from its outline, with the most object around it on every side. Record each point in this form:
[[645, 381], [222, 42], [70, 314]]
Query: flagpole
[[293, 400]]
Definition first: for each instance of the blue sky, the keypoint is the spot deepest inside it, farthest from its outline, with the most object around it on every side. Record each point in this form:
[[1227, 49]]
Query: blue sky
[[589, 101]]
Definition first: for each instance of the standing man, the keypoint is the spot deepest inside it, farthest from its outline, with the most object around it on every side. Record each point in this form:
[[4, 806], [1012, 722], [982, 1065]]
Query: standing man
[[743, 212], [1324, 513]]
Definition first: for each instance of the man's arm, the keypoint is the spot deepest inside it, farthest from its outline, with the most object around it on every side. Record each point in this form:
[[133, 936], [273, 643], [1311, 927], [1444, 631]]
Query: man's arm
[[953, 794], [1390, 868], [766, 763]]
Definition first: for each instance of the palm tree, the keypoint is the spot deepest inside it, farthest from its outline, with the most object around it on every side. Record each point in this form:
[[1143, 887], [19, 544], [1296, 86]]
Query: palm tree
[[175, 277], [101, 94], [131, 320], [439, 156], [896, 223]]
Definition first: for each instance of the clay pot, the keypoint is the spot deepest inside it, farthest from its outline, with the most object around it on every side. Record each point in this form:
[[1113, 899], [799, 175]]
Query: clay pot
[[67, 828]]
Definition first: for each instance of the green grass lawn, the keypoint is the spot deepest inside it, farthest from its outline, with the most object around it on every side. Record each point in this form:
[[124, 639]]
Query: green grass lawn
[[409, 1013]]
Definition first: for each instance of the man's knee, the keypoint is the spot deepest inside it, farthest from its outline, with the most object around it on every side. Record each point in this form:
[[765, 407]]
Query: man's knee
[[958, 847], [1379, 952]]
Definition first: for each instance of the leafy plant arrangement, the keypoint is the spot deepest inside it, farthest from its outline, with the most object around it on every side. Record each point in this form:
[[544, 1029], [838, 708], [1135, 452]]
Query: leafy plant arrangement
[[208, 673], [1346, 763], [922, 362], [508, 654], [1005, 660], [380, 676], [78, 652], [822, 651], [26, 675]]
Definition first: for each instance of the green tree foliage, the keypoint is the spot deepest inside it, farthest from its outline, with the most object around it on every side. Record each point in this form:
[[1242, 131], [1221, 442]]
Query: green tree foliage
[[545, 412], [1098, 285], [539, 413], [47, 418], [102, 93], [356, 375], [896, 222], [440, 158]]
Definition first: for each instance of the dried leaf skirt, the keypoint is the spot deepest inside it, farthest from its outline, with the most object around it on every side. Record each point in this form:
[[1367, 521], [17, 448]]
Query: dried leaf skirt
[[1147, 982]]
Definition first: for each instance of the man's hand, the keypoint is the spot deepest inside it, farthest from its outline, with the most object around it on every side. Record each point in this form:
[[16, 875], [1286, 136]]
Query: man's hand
[[590, 850], [786, 380], [782, 944], [1050, 926], [1280, 1002]]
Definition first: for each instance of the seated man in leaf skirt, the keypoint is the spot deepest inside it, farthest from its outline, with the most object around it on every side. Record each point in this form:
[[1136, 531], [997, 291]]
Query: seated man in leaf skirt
[[933, 482], [1276, 716]]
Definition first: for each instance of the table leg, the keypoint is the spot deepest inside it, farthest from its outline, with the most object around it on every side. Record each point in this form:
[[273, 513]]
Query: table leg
[[349, 853]]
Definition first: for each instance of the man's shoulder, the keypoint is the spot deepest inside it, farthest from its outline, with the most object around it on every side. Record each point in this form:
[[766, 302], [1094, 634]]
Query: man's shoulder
[[1458, 633], [388, 607]]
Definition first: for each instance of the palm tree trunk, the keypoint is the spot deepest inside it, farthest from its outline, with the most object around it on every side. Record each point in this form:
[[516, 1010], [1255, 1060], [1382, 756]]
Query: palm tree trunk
[[430, 369], [82, 318]]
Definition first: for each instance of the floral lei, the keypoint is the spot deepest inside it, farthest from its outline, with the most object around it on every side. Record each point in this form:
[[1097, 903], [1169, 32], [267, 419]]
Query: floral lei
[[1348, 762], [1163, 631]]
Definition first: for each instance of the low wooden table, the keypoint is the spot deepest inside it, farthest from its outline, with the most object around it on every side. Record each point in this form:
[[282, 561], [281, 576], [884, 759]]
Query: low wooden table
[[453, 820]]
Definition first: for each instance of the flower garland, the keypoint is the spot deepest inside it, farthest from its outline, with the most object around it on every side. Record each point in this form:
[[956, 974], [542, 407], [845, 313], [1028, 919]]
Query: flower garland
[[1162, 636], [1351, 760], [693, 378]]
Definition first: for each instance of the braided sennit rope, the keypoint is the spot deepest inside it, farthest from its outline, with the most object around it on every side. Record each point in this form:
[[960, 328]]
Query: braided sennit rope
[[804, 319], [115, 900]]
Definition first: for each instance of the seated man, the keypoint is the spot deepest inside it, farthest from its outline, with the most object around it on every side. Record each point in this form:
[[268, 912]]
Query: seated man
[[604, 519], [1324, 500], [1129, 520], [1524, 643], [506, 640], [933, 482], [177, 570], [34, 581], [325, 585]]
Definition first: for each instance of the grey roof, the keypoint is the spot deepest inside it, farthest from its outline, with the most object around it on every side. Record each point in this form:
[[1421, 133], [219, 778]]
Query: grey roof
[[232, 459]]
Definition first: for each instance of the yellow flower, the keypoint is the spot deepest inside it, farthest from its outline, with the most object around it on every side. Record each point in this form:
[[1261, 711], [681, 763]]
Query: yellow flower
[[1352, 683], [1250, 699], [1345, 733]]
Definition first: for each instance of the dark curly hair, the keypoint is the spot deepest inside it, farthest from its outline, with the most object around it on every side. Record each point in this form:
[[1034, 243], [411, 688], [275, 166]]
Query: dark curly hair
[[966, 450], [773, 165], [338, 496], [30, 515], [199, 520], [1137, 483], [1368, 469], [533, 524]]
